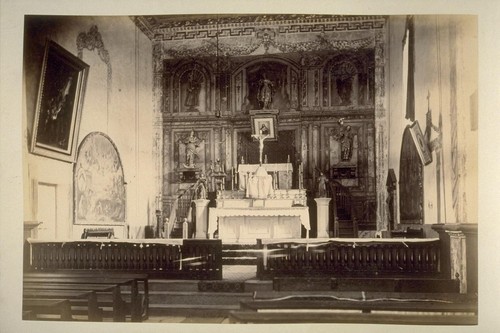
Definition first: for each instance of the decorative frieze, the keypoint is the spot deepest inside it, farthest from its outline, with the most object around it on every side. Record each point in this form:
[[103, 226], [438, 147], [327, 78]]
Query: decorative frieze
[[169, 28]]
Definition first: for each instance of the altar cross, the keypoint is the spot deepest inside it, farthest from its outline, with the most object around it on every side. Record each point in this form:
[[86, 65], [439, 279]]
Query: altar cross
[[261, 137]]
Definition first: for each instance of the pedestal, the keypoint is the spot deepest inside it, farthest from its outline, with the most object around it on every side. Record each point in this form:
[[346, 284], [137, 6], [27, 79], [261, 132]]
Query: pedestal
[[201, 218], [322, 215]]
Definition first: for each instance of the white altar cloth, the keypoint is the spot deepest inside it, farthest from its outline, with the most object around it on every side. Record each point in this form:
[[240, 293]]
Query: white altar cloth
[[215, 213]]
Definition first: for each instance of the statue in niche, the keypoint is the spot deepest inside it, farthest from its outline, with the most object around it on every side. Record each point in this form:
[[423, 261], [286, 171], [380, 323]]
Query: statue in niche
[[344, 76], [344, 89], [192, 145], [345, 136], [265, 92], [193, 90]]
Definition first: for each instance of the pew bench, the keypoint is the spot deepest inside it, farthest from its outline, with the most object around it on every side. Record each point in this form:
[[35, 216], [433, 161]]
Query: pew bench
[[80, 300], [109, 299], [139, 290], [41, 308], [134, 307]]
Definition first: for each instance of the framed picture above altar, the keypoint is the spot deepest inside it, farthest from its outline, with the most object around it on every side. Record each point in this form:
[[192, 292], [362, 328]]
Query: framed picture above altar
[[265, 124]]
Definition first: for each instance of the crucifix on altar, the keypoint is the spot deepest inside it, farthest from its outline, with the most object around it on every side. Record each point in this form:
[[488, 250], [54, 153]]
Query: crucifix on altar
[[261, 137]]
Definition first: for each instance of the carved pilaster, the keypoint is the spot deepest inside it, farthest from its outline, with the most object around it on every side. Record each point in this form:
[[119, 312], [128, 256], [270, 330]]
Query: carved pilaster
[[316, 88], [167, 160], [315, 146], [381, 130], [217, 143], [229, 149], [303, 146], [303, 88]]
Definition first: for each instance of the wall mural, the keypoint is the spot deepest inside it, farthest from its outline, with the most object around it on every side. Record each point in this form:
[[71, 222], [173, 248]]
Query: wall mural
[[99, 194]]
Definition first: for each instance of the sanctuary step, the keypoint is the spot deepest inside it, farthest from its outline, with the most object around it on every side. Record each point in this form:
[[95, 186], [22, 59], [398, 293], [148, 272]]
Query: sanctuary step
[[355, 284], [201, 298]]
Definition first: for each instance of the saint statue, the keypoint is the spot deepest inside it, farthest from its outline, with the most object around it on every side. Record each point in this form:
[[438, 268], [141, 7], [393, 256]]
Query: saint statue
[[346, 144], [192, 143], [265, 92], [321, 190], [192, 91], [345, 137]]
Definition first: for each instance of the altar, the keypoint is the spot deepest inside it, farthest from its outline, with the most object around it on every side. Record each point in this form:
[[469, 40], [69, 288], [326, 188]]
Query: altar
[[244, 220]]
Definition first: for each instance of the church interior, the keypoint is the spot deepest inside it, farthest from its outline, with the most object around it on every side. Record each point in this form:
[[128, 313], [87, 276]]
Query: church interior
[[253, 168]]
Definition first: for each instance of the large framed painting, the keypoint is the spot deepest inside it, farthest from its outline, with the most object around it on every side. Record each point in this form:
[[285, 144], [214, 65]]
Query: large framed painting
[[59, 104], [265, 124], [420, 143]]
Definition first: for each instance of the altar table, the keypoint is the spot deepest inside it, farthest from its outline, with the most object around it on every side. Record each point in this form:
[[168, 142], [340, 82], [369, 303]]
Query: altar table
[[249, 224]]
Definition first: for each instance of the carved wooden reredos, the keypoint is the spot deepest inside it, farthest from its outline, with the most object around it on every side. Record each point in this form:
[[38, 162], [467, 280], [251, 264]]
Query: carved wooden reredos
[[207, 72]]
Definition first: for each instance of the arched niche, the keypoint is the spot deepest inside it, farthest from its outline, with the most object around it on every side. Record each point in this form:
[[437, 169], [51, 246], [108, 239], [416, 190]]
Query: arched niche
[[283, 75], [99, 186], [191, 88], [348, 80]]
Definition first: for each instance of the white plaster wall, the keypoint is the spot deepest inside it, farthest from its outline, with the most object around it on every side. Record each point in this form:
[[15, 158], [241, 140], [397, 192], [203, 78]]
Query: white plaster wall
[[432, 76], [120, 107]]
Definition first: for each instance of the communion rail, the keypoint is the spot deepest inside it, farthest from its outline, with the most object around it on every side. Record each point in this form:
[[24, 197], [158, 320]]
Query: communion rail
[[348, 257], [165, 258]]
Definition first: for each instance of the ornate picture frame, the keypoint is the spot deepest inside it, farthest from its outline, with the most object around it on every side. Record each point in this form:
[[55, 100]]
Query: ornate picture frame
[[59, 104], [267, 123], [421, 143]]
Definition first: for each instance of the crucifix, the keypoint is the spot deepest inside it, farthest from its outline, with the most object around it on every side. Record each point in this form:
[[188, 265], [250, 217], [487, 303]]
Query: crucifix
[[261, 137]]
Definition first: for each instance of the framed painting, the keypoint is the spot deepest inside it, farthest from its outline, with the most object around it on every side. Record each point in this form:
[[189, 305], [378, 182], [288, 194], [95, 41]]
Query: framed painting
[[59, 104], [265, 124], [420, 143]]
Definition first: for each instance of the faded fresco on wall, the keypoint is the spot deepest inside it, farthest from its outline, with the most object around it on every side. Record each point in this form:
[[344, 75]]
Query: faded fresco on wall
[[99, 182]]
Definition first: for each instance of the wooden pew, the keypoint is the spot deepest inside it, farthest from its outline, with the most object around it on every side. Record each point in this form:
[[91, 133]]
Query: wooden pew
[[77, 298], [135, 307], [107, 295], [59, 307], [142, 305]]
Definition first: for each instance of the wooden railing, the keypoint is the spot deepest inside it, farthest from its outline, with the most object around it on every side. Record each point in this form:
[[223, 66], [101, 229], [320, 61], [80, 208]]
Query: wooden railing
[[188, 259], [349, 257]]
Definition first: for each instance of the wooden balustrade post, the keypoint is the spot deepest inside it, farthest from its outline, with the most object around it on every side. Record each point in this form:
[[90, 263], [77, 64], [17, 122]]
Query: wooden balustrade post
[[322, 217], [201, 218]]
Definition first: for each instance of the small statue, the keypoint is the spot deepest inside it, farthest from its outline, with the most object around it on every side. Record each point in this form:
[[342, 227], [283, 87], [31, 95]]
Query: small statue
[[345, 137], [321, 190], [192, 91], [265, 94], [192, 144]]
